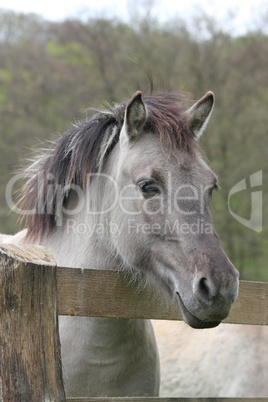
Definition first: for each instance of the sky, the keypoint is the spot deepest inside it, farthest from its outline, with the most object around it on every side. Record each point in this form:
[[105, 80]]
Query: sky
[[242, 14]]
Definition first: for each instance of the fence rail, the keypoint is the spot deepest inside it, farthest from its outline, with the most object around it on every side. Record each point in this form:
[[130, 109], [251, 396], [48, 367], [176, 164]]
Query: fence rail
[[33, 291], [79, 294]]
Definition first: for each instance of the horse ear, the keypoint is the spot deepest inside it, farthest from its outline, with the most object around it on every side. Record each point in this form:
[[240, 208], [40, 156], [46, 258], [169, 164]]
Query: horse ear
[[199, 114], [135, 118]]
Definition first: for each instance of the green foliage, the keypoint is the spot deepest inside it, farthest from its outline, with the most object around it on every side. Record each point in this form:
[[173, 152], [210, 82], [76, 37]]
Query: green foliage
[[71, 52], [51, 72]]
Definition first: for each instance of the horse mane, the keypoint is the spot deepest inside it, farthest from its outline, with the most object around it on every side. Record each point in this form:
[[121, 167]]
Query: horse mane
[[82, 150]]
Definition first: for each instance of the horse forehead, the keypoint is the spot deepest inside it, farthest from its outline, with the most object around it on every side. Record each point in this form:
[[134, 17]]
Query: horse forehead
[[146, 151], [149, 157]]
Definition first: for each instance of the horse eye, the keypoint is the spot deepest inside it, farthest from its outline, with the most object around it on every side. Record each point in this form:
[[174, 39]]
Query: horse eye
[[215, 187], [148, 188]]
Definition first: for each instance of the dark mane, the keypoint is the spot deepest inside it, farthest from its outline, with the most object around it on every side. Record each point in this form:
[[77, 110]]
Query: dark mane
[[82, 150]]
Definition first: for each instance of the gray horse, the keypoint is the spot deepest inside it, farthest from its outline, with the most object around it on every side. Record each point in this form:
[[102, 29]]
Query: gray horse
[[128, 189]]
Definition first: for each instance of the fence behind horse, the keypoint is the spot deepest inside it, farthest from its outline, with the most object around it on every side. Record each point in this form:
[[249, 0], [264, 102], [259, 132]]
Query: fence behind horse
[[33, 291]]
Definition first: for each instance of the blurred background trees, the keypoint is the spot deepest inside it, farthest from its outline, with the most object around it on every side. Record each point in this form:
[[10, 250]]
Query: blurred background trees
[[50, 73]]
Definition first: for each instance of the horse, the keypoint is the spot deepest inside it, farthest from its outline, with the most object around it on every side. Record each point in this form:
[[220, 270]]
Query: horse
[[129, 189], [229, 361]]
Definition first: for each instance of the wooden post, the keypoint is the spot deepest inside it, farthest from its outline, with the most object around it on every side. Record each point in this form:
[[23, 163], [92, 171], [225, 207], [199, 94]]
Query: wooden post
[[30, 359]]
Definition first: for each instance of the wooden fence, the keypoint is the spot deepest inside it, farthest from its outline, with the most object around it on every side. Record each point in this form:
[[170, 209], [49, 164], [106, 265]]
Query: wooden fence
[[33, 291]]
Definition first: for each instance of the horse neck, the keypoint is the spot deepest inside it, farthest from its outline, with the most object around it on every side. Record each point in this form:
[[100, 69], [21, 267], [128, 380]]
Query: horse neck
[[81, 242]]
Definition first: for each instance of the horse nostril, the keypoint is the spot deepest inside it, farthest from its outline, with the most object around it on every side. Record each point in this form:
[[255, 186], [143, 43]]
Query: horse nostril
[[204, 289]]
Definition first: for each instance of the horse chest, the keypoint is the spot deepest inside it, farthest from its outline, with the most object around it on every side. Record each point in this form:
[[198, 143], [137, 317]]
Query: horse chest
[[103, 357]]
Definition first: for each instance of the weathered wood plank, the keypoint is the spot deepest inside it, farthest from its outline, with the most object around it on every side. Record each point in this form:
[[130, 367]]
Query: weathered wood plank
[[109, 294], [30, 363], [251, 306]]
